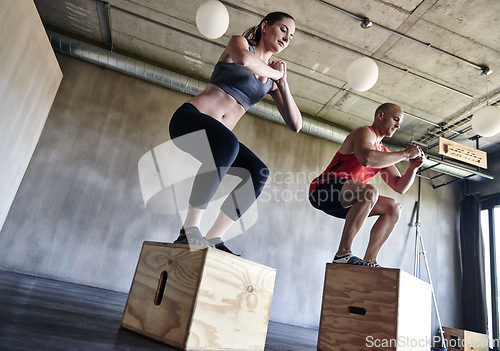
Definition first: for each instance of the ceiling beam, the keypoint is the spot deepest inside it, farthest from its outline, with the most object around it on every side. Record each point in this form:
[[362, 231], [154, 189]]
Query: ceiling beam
[[485, 70]]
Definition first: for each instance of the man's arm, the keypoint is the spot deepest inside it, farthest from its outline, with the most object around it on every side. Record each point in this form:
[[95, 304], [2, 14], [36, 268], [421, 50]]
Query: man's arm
[[362, 142], [401, 183]]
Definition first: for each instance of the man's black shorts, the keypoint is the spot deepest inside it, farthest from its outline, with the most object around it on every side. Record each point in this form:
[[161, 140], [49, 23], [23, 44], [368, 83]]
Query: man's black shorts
[[326, 197]]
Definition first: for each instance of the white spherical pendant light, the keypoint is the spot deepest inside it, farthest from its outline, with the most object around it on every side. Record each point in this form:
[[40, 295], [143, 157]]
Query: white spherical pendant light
[[362, 74], [486, 121], [212, 19]]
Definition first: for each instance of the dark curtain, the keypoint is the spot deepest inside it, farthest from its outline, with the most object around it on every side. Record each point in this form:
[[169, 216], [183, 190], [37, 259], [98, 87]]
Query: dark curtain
[[474, 313]]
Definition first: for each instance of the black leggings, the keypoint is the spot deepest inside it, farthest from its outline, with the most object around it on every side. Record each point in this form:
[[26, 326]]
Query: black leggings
[[229, 155]]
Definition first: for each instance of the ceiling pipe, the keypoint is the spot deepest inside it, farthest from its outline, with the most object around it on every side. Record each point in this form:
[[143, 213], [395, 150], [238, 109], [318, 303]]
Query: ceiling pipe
[[404, 71], [191, 86], [365, 24], [329, 42], [175, 81], [485, 70]]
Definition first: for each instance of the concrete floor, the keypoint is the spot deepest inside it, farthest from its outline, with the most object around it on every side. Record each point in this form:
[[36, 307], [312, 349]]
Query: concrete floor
[[43, 314]]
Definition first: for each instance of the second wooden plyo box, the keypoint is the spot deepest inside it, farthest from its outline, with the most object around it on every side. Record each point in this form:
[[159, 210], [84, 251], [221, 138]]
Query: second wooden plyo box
[[465, 340], [199, 300], [367, 308]]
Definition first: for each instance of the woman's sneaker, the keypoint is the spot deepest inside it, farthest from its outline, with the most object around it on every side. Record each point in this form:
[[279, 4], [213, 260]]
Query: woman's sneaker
[[192, 236], [219, 244]]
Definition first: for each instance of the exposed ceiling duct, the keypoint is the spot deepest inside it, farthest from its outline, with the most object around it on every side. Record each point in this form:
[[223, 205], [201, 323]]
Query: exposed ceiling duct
[[191, 86], [175, 81]]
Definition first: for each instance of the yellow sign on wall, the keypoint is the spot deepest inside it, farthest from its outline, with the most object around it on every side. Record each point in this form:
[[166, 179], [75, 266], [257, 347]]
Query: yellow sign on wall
[[462, 153]]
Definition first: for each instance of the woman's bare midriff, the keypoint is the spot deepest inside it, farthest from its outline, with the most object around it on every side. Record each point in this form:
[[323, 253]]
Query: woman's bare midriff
[[215, 102]]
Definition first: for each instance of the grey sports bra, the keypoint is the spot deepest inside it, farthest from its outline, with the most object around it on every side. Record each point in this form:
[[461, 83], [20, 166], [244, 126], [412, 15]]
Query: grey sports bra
[[242, 85]]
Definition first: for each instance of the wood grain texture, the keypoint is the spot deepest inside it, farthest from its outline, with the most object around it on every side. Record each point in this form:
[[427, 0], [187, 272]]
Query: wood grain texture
[[169, 322], [212, 300], [30, 78], [361, 303], [233, 304], [464, 340]]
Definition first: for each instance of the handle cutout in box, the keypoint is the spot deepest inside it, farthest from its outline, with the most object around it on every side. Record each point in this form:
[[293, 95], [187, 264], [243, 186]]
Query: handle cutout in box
[[356, 310], [454, 342], [160, 290]]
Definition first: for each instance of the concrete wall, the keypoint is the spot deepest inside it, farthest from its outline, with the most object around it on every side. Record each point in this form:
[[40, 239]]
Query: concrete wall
[[79, 214], [30, 76], [489, 186]]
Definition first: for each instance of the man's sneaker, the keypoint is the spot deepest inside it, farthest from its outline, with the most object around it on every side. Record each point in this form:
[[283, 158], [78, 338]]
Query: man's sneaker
[[192, 236], [219, 244], [354, 260]]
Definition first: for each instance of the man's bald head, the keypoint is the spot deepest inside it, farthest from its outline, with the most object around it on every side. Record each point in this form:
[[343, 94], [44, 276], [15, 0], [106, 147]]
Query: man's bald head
[[388, 119], [388, 108]]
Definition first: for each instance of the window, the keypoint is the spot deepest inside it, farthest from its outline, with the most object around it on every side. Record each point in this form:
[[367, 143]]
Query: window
[[490, 224]]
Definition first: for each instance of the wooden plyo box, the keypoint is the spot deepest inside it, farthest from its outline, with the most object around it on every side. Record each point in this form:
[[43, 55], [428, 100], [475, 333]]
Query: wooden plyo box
[[367, 308], [199, 300], [464, 340]]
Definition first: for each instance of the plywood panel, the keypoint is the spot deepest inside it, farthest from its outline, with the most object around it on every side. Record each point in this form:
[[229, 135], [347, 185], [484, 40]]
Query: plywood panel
[[233, 304], [366, 307], [30, 79], [169, 320], [199, 300], [464, 340]]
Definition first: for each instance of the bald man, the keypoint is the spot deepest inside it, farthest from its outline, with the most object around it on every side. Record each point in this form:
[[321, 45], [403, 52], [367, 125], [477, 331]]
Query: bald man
[[343, 189]]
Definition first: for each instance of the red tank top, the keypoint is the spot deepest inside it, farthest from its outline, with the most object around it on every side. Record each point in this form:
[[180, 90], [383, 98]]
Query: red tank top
[[347, 166]]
